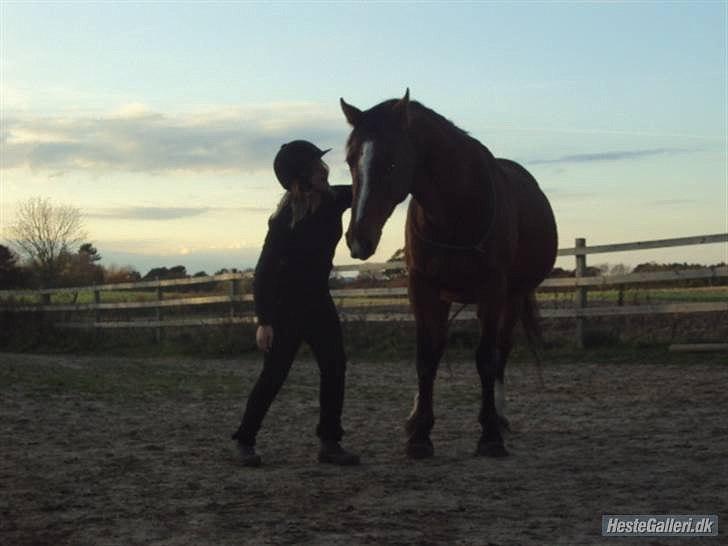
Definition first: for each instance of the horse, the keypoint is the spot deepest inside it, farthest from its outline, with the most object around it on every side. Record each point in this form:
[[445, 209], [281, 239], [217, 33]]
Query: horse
[[479, 231]]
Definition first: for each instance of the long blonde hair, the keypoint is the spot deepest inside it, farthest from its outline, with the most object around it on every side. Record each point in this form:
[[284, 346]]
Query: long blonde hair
[[302, 203]]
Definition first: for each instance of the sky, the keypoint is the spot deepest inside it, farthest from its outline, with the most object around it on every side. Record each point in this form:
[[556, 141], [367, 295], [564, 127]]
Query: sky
[[159, 121]]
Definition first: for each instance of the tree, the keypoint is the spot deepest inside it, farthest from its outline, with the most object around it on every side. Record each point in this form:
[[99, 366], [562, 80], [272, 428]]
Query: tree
[[398, 255], [225, 270], [81, 269], [396, 273], [92, 255], [126, 273], [619, 269], [176, 272], [45, 233], [11, 275], [560, 273]]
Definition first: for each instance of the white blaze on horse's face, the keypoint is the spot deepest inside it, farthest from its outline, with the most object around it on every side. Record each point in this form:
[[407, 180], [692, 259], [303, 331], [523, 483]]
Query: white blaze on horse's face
[[364, 166], [359, 240]]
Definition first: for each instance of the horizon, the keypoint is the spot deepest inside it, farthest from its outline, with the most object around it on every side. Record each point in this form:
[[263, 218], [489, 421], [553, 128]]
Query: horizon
[[564, 262], [160, 122]]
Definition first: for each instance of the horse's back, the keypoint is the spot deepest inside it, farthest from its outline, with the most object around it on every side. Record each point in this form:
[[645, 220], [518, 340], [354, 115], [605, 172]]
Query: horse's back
[[537, 236], [518, 177]]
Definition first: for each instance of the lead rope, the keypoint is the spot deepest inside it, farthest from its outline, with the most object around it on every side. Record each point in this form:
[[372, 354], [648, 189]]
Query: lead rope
[[474, 248], [449, 323], [461, 248]]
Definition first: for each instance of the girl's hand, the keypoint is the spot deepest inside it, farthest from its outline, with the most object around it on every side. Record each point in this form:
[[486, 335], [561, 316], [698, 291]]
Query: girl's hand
[[264, 337]]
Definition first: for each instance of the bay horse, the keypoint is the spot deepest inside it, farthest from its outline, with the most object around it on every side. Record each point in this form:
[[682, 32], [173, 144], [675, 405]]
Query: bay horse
[[479, 231]]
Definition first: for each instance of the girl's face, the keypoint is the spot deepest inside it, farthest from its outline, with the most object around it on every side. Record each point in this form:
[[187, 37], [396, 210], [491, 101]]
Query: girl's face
[[320, 176]]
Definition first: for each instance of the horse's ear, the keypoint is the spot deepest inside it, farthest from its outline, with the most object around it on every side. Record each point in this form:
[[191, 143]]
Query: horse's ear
[[352, 113], [401, 107]]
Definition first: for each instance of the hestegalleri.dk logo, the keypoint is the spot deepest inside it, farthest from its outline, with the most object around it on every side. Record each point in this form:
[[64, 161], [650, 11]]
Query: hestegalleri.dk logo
[[660, 525]]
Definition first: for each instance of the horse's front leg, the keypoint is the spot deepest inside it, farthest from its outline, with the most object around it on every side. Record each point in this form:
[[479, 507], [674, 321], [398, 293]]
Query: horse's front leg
[[431, 315], [492, 314]]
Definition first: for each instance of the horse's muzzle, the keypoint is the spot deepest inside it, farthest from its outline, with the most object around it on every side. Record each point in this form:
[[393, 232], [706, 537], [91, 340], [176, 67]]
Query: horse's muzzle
[[363, 239], [361, 250], [361, 247]]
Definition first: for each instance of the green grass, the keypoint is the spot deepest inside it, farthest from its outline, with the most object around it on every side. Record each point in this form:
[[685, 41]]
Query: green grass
[[121, 296], [630, 296], [643, 295]]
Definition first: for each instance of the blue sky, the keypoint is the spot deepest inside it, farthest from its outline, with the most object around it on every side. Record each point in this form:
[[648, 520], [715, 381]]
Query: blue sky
[[160, 120]]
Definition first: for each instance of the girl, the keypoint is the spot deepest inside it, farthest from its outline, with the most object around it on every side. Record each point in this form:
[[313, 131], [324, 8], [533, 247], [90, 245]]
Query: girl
[[292, 299]]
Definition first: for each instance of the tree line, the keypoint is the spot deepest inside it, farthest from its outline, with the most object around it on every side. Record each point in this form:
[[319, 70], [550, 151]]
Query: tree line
[[48, 249], [397, 276]]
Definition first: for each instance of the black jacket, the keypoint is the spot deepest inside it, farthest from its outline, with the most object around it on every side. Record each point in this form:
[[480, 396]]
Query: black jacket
[[295, 263]]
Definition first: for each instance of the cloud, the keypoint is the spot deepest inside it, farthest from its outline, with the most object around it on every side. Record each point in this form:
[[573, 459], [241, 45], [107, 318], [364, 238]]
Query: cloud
[[136, 139], [148, 213], [165, 213], [194, 260], [610, 156], [670, 202]]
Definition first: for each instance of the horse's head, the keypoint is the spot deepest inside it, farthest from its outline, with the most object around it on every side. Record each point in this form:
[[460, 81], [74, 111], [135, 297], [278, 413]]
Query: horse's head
[[381, 159]]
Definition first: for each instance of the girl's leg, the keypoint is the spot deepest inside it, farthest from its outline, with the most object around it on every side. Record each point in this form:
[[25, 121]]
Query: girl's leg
[[323, 334], [276, 365]]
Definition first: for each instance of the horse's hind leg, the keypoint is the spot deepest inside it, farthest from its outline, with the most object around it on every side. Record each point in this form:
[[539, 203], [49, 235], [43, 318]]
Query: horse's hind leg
[[511, 316], [431, 316]]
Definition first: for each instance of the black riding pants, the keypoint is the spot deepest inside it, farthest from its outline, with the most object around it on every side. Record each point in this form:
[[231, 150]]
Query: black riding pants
[[317, 323]]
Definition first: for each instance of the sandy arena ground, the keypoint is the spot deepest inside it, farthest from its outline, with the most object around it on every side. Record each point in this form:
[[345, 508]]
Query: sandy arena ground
[[112, 450]]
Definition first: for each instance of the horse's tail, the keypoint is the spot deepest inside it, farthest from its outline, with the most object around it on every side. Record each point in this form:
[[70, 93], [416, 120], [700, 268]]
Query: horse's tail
[[531, 320]]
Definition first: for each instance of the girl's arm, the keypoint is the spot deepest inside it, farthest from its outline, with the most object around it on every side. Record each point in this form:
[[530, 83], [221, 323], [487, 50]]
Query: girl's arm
[[268, 270], [343, 195]]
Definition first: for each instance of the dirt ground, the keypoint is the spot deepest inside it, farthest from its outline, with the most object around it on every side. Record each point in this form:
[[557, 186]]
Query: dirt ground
[[112, 450]]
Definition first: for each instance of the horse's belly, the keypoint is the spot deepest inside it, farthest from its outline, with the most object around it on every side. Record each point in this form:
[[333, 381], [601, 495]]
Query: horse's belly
[[459, 279], [463, 285], [460, 295]]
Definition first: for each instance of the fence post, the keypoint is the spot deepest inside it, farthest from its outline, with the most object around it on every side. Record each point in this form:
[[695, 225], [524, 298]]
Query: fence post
[[580, 243], [159, 312], [234, 292], [45, 320], [97, 314]]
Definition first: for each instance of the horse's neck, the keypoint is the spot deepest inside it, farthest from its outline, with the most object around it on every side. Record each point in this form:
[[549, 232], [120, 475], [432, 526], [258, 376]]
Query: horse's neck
[[442, 178]]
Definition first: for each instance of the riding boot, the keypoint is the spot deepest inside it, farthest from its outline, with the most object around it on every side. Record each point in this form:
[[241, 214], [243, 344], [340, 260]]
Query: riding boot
[[333, 453], [247, 455]]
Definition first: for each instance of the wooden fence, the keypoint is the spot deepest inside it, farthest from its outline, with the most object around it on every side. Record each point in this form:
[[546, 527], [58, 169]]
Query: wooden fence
[[17, 300]]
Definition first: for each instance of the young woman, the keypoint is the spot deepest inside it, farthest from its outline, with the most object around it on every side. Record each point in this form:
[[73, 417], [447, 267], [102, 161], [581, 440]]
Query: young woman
[[292, 299]]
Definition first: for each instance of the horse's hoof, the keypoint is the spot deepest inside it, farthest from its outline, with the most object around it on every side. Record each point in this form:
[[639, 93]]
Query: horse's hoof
[[491, 449], [420, 450], [504, 424]]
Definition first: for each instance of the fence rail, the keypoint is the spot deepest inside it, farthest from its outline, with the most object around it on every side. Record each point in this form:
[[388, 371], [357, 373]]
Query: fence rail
[[644, 245], [581, 284]]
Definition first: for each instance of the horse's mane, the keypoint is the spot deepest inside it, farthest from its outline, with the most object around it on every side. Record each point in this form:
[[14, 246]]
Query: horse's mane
[[378, 116], [420, 110], [417, 110]]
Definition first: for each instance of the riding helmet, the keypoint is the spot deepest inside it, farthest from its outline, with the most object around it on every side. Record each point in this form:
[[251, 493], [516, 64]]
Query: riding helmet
[[295, 161]]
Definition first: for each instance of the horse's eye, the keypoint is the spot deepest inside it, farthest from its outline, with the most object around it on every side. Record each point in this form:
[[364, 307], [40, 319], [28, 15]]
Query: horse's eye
[[391, 167]]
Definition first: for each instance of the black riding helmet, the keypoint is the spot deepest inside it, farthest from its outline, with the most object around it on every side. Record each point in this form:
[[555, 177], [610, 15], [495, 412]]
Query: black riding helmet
[[295, 161]]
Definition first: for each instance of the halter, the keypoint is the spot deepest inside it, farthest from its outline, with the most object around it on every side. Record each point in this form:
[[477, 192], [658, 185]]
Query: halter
[[463, 248]]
